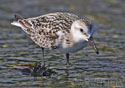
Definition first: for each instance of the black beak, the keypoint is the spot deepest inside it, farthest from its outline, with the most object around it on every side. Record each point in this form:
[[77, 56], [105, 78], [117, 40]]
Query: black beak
[[92, 43]]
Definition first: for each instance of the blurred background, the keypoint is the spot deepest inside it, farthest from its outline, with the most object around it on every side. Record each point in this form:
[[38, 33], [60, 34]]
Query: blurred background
[[17, 50]]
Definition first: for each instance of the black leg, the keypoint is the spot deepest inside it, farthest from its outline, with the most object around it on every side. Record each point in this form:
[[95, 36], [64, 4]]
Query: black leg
[[43, 56], [67, 58]]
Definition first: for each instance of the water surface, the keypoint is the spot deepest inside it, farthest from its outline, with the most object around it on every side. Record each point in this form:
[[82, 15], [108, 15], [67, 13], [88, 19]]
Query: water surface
[[17, 50]]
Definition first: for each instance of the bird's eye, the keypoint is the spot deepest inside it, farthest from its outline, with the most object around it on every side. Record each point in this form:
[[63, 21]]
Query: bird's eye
[[81, 29]]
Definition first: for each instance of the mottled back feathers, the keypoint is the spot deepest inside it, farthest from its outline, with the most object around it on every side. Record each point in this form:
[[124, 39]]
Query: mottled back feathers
[[44, 29]]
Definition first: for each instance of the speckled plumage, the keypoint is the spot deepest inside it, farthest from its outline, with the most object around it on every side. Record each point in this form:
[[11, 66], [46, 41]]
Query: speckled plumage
[[46, 28], [64, 31]]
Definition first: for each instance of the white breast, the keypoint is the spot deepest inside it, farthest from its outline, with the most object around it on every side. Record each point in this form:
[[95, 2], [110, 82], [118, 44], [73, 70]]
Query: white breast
[[74, 48]]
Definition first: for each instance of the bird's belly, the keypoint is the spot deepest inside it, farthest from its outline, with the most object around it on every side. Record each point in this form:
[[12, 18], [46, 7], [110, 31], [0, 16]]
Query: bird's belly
[[74, 48]]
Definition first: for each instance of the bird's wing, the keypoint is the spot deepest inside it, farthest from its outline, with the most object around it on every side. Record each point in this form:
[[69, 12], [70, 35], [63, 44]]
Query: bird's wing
[[45, 30], [50, 28]]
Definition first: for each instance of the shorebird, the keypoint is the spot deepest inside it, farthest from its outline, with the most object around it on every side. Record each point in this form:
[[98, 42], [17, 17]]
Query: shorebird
[[63, 31]]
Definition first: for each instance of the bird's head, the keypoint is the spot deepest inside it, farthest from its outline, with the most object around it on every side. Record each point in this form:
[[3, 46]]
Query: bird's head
[[82, 30]]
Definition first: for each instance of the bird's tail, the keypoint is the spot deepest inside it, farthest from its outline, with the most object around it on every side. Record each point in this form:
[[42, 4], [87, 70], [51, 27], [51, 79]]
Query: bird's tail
[[23, 23], [17, 20]]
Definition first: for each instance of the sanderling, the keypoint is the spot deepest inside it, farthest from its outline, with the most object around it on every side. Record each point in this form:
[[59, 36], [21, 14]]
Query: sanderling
[[65, 32]]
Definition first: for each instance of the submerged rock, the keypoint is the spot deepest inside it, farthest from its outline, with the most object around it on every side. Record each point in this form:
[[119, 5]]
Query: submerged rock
[[37, 70]]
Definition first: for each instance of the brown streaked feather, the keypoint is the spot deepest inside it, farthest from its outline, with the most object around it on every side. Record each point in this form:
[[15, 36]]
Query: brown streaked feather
[[27, 27], [27, 23]]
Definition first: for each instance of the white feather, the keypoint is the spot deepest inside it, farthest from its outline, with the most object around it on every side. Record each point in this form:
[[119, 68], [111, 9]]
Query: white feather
[[16, 24]]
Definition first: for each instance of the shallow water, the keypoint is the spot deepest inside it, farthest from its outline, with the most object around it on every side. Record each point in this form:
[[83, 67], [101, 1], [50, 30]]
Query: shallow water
[[17, 50]]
